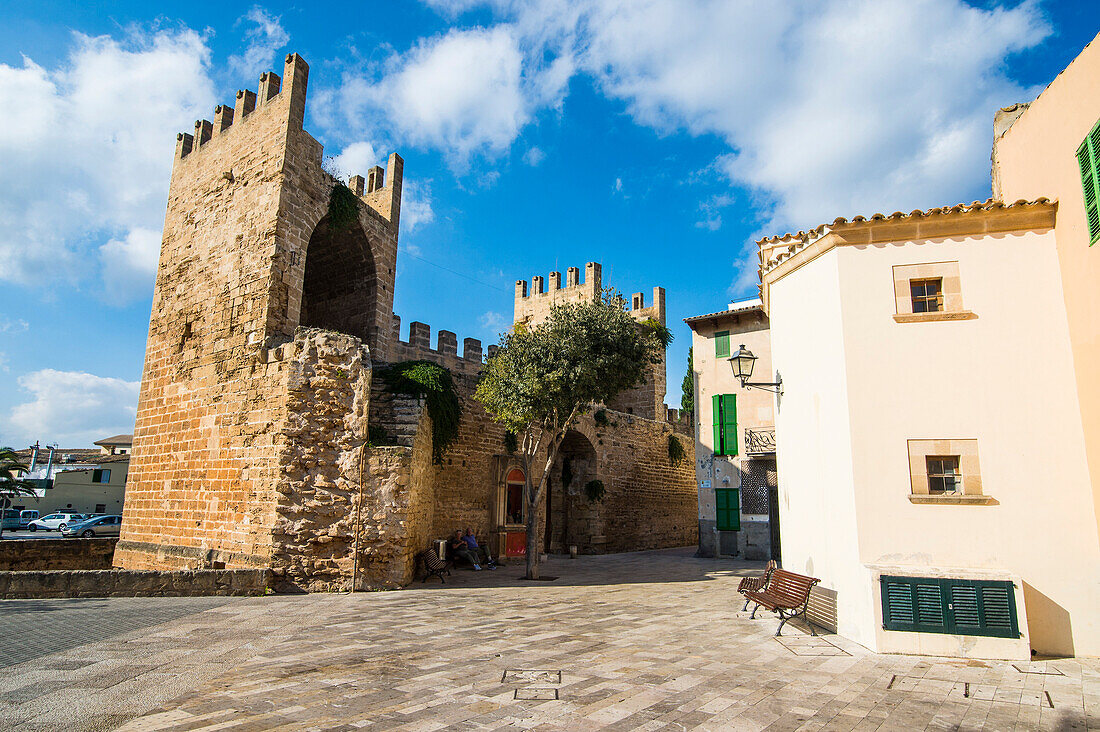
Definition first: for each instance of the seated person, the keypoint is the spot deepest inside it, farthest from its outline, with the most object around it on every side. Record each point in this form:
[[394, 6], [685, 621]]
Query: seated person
[[458, 547], [482, 552]]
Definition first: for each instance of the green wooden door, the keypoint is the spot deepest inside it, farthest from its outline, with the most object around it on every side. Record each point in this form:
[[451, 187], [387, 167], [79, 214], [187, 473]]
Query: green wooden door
[[728, 509]]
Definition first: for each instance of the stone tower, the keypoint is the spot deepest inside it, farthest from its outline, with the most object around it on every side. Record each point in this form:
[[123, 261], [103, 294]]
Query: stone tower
[[532, 306], [252, 409]]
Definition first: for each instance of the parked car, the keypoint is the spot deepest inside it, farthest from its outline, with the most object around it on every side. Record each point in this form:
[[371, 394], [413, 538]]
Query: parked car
[[95, 526], [26, 516], [55, 521]]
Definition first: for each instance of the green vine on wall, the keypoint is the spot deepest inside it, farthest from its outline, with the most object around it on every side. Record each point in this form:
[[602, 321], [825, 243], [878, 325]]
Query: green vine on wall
[[343, 208], [594, 490], [511, 442], [675, 451], [417, 378]]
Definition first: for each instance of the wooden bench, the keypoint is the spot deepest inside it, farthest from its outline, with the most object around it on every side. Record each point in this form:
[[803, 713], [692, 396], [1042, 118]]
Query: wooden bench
[[787, 594], [755, 584], [433, 565]]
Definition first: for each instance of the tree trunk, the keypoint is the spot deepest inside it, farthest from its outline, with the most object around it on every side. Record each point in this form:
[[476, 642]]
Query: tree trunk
[[532, 543]]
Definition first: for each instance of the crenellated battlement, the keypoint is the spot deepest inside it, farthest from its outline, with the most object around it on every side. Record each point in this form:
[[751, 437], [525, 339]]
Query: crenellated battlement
[[288, 99], [533, 305], [445, 353]]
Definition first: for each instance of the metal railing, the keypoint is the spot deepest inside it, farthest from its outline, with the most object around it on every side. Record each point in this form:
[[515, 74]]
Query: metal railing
[[760, 441]]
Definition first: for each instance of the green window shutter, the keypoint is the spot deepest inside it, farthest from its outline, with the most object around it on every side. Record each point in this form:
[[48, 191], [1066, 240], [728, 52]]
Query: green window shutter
[[728, 509], [722, 344], [716, 422], [913, 604], [953, 606], [729, 423], [1088, 158]]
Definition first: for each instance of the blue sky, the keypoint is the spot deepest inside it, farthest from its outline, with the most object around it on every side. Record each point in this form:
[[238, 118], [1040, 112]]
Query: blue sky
[[659, 137]]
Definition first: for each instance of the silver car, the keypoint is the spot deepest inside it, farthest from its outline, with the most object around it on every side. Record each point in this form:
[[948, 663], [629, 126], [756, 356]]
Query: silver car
[[96, 526]]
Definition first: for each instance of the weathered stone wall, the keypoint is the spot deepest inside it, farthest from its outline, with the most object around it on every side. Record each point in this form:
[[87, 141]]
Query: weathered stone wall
[[247, 253], [398, 508], [466, 484], [320, 460], [649, 503], [47, 554], [133, 583]]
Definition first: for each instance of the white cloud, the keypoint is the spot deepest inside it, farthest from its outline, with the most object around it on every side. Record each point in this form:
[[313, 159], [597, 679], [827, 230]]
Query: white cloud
[[4, 361], [416, 204], [356, 159], [264, 37], [711, 211], [534, 156], [72, 408], [129, 265], [829, 108], [495, 323], [462, 93], [7, 325], [86, 147]]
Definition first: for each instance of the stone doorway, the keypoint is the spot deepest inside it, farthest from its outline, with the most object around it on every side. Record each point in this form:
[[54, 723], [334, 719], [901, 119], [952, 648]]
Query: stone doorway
[[571, 518]]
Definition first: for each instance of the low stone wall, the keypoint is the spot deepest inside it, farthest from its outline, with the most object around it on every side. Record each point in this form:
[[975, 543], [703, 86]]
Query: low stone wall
[[20, 555], [133, 583]]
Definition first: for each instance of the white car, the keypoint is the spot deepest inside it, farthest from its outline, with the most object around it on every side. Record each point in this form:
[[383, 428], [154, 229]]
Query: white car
[[56, 521]]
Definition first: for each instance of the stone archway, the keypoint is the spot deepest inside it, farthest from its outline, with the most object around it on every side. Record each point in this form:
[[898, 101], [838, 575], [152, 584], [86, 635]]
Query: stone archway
[[569, 513], [339, 288]]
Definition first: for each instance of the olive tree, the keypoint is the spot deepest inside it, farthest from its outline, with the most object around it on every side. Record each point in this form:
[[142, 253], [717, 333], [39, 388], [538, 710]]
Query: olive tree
[[545, 376]]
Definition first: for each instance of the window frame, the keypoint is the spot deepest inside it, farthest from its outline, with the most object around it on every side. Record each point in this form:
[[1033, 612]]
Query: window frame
[[924, 299], [955, 475]]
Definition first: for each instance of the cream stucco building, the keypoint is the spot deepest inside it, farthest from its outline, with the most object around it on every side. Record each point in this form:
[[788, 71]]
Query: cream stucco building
[[938, 435], [735, 436]]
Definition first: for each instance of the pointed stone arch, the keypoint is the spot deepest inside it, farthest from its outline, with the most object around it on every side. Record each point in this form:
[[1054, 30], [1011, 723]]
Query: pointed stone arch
[[340, 284]]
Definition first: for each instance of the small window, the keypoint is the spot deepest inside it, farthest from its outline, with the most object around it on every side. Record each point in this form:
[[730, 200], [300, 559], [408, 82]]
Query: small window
[[927, 295], [1088, 159], [100, 507], [101, 476], [722, 344], [943, 475]]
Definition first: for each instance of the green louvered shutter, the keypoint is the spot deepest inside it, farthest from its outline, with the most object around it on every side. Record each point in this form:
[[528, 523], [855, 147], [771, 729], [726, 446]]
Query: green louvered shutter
[[722, 344], [728, 509], [982, 607], [1088, 157], [913, 604], [729, 424], [716, 422], [954, 606]]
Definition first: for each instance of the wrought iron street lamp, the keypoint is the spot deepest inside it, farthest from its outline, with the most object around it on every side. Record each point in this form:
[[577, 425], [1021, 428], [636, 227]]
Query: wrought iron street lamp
[[742, 362]]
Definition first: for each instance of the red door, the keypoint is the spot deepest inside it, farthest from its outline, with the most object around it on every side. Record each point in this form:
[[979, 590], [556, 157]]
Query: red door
[[515, 544]]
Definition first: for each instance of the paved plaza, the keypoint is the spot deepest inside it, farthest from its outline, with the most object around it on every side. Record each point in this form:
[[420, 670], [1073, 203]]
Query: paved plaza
[[644, 641]]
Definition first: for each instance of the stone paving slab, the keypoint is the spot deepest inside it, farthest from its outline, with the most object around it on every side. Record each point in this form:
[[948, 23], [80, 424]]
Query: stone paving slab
[[644, 641]]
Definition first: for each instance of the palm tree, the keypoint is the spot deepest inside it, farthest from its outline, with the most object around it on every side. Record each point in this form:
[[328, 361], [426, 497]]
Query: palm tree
[[11, 486]]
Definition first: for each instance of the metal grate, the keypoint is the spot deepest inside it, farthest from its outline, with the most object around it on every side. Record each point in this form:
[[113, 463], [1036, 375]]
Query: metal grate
[[756, 479]]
